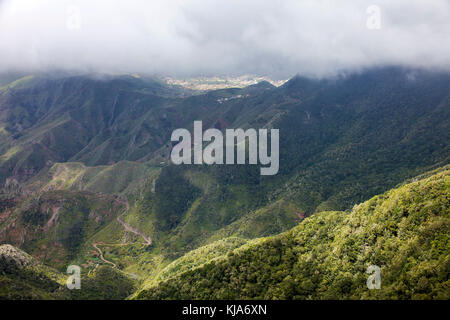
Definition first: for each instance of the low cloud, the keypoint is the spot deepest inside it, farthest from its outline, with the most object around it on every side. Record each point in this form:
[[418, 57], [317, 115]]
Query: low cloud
[[211, 37]]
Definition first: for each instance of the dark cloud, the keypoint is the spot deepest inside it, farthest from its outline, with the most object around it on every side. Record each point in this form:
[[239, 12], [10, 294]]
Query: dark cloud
[[192, 37]]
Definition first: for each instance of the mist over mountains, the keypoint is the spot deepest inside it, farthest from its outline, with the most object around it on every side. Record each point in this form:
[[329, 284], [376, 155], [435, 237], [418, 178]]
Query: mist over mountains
[[91, 93], [194, 38]]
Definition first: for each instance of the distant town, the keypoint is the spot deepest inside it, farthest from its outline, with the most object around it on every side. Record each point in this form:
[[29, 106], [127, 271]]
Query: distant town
[[214, 83]]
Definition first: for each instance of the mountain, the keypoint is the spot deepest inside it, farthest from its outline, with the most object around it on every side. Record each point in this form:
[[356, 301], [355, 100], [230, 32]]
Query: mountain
[[23, 277], [403, 231], [84, 162], [54, 226]]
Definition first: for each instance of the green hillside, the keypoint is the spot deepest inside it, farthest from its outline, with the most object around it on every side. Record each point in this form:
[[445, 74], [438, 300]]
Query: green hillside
[[85, 174], [342, 140], [22, 277], [404, 231], [55, 225], [122, 178]]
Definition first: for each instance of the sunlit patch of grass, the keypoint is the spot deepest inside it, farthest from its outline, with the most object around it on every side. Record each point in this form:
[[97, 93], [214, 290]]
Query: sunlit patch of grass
[[3, 131], [10, 153], [19, 82]]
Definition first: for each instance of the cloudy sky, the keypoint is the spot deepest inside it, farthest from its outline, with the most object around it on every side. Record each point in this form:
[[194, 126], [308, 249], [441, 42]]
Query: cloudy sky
[[216, 37]]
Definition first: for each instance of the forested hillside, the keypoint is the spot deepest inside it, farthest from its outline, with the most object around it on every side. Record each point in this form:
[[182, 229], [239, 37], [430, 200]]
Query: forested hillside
[[86, 176], [404, 231]]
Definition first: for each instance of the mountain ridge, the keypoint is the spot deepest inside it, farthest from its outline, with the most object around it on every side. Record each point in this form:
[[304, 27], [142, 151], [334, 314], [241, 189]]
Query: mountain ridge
[[342, 141], [406, 222], [324, 256]]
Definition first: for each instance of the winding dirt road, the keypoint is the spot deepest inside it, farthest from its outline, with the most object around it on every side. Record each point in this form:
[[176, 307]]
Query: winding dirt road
[[101, 255], [127, 227]]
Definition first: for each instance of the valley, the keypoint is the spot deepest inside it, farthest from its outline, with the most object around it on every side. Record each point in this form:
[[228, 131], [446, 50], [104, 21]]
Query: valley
[[87, 180]]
